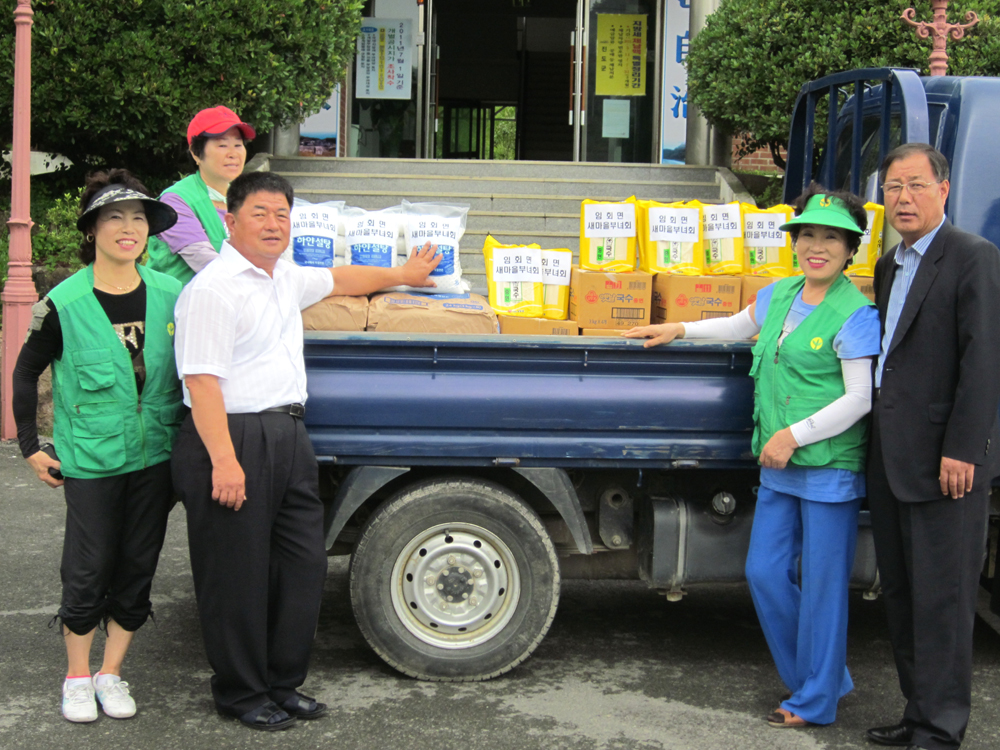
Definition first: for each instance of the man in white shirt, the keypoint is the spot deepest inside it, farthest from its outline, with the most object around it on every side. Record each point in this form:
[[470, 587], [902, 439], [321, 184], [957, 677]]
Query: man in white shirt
[[243, 464]]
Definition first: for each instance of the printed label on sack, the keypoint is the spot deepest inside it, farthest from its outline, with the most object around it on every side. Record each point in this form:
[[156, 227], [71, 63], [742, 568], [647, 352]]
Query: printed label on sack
[[313, 233], [609, 220], [440, 231], [673, 224], [722, 222], [761, 230], [371, 240], [517, 264], [556, 265]]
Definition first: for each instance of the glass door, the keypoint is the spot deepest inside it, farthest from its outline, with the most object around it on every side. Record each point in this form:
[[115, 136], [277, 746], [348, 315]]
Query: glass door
[[619, 81]]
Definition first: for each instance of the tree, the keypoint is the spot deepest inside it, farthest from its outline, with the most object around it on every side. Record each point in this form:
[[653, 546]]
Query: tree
[[115, 82], [746, 67]]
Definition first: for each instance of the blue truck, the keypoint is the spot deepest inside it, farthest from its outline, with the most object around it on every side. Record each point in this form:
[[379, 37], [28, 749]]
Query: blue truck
[[468, 475]]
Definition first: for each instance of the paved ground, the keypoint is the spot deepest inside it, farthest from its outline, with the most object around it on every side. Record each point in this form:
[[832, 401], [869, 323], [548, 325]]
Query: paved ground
[[620, 669]]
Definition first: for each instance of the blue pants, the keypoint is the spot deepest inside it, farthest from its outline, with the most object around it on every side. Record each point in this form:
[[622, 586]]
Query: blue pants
[[805, 628]]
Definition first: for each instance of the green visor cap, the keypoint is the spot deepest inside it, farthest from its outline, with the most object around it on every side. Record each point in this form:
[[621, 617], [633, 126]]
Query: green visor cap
[[827, 211]]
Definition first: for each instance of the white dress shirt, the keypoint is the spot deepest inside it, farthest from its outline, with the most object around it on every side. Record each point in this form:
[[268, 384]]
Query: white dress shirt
[[245, 327]]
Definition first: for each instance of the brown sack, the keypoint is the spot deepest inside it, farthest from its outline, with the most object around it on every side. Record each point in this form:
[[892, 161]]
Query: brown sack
[[398, 312], [337, 313]]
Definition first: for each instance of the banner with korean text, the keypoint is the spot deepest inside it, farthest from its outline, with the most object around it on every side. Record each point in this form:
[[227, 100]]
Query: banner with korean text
[[621, 55], [384, 63]]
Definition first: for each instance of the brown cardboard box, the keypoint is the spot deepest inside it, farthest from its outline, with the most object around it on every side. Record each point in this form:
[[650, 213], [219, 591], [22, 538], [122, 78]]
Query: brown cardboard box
[[399, 312], [537, 326], [607, 333], [610, 300], [865, 285], [684, 299], [752, 285], [337, 313]]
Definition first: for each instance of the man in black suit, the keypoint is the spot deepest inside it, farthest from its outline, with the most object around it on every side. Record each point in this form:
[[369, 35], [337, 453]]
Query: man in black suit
[[934, 444]]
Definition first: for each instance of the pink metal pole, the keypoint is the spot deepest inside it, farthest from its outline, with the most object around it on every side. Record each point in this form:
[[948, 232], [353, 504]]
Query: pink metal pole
[[940, 29], [19, 292]]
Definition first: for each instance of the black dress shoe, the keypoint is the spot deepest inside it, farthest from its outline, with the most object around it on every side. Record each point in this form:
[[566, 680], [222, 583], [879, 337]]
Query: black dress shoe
[[303, 707], [266, 718], [899, 735]]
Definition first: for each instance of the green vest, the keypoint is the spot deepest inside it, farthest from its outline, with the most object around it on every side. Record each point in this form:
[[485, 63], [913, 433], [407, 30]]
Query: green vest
[[102, 428], [805, 375], [194, 192]]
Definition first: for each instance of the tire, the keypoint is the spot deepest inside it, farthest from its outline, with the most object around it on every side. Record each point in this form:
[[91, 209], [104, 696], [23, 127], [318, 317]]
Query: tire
[[454, 580]]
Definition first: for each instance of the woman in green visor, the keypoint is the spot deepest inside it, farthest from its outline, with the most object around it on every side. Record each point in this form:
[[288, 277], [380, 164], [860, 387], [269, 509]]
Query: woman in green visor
[[812, 370]]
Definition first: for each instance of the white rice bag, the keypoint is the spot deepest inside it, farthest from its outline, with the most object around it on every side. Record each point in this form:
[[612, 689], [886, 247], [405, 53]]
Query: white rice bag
[[313, 233], [370, 237], [441, 224]]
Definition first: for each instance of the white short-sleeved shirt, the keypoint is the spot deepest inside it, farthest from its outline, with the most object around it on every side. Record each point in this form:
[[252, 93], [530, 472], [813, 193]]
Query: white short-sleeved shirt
[[243, 326]]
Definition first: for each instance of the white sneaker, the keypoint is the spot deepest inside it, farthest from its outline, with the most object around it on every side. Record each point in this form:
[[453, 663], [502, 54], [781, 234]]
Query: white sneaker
[[78, 701], [113, 695]]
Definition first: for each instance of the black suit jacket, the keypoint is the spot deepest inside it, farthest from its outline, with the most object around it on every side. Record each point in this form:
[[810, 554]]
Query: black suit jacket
[[941, 381]]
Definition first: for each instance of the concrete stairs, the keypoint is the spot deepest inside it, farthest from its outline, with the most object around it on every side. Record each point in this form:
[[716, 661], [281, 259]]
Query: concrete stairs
[[518, 202]]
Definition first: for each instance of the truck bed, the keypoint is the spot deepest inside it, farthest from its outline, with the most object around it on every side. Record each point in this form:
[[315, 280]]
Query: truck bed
[[501, 400]]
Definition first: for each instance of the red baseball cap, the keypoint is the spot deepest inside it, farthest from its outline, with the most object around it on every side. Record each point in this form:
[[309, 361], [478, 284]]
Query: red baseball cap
[[216, 121]]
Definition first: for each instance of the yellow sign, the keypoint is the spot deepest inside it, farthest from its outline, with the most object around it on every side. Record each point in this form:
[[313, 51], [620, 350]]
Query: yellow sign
[[816, 343], [621, 55]]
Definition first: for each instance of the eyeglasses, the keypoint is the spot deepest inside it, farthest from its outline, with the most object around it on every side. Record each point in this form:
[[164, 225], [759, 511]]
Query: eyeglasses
[[895, 189]]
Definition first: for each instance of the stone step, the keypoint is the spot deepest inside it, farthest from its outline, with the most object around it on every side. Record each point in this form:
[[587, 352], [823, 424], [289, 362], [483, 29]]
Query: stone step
[[374, 200], [485, 168], [349, 182]]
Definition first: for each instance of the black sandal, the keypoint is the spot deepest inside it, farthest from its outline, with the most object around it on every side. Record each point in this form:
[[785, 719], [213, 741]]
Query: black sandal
[[266, 718], [303, 707]]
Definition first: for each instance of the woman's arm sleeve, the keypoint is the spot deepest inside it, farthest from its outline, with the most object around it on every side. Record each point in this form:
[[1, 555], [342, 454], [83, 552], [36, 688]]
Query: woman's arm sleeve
[[833, 419], [736, 327], [44, 344], [187, 238]]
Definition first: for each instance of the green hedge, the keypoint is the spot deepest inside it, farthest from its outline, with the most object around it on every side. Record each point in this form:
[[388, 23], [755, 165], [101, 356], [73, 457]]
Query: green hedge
[[746, 67], [115, 82]]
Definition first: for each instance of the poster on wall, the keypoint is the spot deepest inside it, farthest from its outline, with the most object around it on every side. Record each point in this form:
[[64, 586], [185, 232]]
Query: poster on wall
[[384, 60], [621, 55], [675, 48], [318, 133]]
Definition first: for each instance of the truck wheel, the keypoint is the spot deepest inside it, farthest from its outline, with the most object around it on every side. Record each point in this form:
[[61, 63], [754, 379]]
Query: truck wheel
[[454, 580]]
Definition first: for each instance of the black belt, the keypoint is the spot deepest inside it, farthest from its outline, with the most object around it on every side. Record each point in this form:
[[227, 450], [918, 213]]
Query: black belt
[[296, 410]]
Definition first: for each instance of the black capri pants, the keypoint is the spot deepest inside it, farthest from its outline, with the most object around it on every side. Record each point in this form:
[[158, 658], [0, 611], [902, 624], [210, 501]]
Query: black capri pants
[[114, 533]]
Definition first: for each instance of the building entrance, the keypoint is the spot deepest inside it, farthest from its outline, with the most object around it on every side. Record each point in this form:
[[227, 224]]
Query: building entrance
[[544, 80]]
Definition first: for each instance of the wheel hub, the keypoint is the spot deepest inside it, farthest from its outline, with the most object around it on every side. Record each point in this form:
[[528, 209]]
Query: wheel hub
[[455, 585]]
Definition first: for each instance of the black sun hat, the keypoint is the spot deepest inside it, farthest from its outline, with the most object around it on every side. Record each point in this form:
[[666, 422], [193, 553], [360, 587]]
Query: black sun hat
[[159, 215]]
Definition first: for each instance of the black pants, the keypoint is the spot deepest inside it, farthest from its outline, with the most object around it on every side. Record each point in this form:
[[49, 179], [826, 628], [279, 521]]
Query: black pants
[[930, 555], [259, 571], [114, 533]]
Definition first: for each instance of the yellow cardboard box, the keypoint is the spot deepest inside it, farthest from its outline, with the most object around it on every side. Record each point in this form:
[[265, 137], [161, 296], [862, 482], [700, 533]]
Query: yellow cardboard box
[[684, 299], [752, 285], [865, 285], [610, 300], [537, 326]]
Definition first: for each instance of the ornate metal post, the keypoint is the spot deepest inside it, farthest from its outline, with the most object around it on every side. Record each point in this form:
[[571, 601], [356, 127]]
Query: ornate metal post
[[941, 29], [19, 292]]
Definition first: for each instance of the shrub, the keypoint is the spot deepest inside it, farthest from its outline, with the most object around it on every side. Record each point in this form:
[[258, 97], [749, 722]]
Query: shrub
[[115, 82], [56, 241], [746, 67]]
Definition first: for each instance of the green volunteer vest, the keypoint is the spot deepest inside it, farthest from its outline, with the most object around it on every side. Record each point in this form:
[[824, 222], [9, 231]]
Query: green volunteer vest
[[194, 192], [805, 375], [102, 428]]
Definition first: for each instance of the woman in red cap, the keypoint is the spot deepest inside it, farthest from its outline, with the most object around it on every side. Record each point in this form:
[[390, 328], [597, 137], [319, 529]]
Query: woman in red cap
[[217, 142]]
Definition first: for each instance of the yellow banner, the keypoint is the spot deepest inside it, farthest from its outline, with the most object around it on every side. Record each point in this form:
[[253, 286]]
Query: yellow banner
[[621, 55]]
